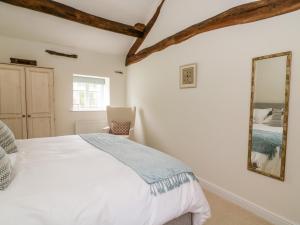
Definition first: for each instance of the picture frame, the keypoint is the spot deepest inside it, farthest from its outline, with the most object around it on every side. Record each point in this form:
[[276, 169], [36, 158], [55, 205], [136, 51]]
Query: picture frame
[[188, 76]]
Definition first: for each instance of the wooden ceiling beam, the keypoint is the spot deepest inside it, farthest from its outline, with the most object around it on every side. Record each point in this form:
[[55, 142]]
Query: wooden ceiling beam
[[66, 12], [242, 14], [140, 27], [147, 29]]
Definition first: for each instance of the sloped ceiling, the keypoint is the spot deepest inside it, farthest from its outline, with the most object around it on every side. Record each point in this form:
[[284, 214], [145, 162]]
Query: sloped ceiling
[[31, 25]]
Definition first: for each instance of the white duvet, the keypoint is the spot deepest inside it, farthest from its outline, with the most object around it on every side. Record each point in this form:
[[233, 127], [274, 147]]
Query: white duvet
[[66, 181], [267, 128], [262, 160]]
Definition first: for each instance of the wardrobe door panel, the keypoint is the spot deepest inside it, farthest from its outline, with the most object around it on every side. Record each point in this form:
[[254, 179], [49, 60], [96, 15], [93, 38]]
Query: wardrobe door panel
[[12, 99], [39, 96], [39, 127]]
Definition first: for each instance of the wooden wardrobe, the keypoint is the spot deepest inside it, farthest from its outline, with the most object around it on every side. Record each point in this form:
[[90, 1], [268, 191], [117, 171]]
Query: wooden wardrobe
[[27, 101]]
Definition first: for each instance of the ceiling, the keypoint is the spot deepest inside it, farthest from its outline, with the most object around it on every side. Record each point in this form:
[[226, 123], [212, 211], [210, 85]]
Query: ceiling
[[125, 11], [31, 25]]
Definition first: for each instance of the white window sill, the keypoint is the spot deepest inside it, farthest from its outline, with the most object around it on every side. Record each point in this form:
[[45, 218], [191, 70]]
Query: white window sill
[[88, 110]]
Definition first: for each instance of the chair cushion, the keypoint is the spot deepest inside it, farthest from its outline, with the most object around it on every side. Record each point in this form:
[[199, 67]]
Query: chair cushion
[[7, 139], [119, 128], [5, 169]]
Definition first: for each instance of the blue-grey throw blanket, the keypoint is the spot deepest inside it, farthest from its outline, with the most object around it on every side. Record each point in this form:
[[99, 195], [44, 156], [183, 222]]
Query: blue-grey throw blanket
[[162, 172], [266, 142]]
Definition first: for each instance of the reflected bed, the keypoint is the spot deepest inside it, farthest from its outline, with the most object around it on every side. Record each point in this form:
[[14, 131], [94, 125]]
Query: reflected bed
[[266, 157]]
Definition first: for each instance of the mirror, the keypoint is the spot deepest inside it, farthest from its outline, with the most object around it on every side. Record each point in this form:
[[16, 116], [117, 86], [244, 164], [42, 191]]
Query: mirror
[[269, 114]]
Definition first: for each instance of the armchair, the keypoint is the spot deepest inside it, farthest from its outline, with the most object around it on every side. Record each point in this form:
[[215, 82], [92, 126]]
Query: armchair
[[121, 114]]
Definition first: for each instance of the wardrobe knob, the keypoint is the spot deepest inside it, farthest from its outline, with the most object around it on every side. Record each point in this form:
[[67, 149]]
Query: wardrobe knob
[[29, 116], [23, 116]]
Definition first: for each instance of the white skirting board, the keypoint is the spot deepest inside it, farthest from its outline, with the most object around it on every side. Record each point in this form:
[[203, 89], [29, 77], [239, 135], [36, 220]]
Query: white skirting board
[[244, 203]]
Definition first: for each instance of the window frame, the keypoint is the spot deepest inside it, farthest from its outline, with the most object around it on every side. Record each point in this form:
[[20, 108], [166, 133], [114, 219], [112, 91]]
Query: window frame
[[106, 93]]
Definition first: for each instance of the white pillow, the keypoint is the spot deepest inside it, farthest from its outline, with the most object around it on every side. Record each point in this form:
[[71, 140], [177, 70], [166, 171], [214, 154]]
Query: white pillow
[[260, 115], [13, 158], [267, 120]]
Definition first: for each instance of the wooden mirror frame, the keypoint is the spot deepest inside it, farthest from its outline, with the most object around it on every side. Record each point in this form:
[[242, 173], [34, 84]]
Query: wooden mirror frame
[[285, 119]]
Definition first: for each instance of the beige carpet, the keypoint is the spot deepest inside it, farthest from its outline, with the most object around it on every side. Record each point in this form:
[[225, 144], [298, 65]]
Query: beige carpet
[[226, 213]]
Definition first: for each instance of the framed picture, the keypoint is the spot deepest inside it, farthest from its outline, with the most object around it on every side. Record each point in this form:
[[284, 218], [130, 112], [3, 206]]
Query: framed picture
[[188, 76]]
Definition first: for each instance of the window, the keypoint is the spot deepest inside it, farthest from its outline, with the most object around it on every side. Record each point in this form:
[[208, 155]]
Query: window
[[90, 93]]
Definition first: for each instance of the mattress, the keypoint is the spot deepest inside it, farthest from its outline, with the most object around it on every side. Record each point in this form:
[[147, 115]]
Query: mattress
[[185, 219]]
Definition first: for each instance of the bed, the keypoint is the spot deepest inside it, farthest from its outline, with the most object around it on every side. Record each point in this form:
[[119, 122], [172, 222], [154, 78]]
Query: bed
[[267, 162], [266, 142], [67, 181]]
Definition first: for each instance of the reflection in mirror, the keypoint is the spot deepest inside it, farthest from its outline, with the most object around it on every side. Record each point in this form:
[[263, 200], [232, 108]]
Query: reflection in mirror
[[269, 114]]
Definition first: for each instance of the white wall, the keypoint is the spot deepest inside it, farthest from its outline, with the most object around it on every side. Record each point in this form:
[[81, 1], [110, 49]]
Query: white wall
[[88, 63], [270, 77], [207, 127]]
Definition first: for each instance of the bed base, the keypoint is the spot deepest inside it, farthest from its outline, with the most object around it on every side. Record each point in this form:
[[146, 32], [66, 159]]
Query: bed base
[[185, 219]]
